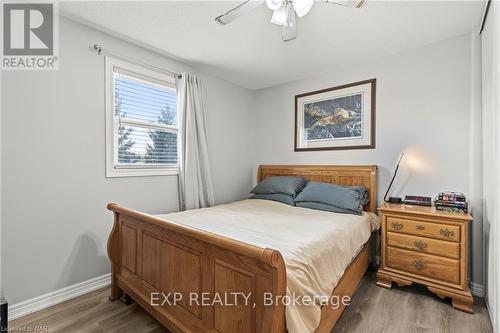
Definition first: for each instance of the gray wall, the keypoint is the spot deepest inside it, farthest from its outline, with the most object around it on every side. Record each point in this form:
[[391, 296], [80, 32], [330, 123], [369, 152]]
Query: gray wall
[[423, 107], [54, 191]]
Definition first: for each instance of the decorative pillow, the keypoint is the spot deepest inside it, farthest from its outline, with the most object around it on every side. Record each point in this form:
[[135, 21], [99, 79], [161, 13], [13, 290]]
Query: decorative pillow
[[280, 184], [284, 198], [325, 207], [349, 198]]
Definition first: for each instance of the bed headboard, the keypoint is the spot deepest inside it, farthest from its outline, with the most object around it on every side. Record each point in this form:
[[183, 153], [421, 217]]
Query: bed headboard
[[349, 175]]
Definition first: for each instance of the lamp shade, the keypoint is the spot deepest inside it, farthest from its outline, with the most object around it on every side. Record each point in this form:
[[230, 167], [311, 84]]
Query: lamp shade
[[274, 4], [302, 7], [280, 16], [284, 11]]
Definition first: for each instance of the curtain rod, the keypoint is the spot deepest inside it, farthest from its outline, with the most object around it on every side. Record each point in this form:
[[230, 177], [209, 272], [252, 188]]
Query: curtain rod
[[485, 16], [100, 51]]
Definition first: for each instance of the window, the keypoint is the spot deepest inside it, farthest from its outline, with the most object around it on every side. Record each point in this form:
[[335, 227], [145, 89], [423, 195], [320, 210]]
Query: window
[[142, 131]]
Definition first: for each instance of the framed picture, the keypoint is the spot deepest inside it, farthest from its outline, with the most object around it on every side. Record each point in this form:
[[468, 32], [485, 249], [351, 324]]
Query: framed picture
[[341, 117]]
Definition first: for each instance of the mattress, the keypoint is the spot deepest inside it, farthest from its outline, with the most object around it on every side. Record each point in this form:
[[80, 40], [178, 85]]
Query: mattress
[[317, 246]]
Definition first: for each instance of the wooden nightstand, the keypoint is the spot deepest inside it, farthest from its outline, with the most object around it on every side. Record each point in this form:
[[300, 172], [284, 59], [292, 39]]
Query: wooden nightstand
[[426, 246]]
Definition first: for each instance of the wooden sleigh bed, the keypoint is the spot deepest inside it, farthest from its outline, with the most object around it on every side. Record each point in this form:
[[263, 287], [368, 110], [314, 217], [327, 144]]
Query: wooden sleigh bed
[[151, 255]]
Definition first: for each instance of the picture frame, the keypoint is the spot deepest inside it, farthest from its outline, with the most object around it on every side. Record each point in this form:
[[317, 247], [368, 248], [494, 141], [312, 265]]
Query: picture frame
[[341, 117]]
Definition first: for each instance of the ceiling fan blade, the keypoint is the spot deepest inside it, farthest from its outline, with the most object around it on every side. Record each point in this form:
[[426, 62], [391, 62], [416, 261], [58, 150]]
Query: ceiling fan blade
[[238, 11], [288, 33], [347, 3]]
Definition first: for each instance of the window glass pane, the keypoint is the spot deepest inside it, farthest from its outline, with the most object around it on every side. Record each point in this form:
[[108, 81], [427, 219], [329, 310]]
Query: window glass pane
[[140, 100], [137, 145]]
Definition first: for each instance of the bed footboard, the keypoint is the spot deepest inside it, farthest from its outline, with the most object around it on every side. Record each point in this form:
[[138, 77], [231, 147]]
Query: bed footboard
[[195, 281]]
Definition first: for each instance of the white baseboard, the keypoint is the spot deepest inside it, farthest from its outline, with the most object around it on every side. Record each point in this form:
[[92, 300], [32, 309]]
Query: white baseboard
[[41, 302], [477, 289]]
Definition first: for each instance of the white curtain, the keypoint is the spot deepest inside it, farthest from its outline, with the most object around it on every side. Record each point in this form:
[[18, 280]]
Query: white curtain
[[490, 40], [195, 185]]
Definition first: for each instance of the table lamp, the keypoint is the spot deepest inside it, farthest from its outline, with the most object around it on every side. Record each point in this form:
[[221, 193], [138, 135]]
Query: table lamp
[[394, 200]]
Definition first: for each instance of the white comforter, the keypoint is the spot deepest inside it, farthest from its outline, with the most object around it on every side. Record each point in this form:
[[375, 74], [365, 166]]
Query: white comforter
[[317, 246]]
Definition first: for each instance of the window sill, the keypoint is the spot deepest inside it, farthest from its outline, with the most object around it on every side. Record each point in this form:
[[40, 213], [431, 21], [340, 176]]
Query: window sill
[[137, 172]]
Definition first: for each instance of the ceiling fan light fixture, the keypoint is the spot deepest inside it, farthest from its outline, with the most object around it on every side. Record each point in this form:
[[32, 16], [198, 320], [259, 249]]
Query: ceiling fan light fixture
[[302, 7], [284, 12]]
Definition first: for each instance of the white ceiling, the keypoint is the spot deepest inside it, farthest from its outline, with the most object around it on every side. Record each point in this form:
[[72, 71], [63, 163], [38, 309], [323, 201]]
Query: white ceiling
[[249, 51]]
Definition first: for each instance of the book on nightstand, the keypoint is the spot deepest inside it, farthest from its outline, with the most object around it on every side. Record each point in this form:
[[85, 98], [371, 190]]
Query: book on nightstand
[[452, 202]]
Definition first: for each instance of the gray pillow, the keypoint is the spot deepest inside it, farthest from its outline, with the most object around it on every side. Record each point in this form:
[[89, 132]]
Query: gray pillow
[[350, 198], [325, 207], [280, 184], [284, 198]]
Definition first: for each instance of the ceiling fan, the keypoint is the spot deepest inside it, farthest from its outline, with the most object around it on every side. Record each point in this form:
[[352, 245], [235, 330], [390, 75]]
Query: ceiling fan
[[284, 12]]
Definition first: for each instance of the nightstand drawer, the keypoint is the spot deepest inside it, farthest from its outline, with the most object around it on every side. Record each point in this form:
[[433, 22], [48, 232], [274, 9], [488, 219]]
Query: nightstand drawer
[[427, 229], [431, 266], [425, 245]]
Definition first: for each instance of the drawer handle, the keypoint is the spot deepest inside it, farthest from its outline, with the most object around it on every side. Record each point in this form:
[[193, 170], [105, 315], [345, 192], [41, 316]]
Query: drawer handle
[[420, 245], [447, 233], [419, 264], [420, 227], [397, 226]]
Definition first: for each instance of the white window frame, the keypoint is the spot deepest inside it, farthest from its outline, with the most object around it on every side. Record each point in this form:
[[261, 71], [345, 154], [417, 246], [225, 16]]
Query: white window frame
[[113, 169]]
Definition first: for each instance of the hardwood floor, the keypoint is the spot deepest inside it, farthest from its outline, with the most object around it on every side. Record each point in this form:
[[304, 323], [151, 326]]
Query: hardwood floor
[[373, 309], [411, 309]]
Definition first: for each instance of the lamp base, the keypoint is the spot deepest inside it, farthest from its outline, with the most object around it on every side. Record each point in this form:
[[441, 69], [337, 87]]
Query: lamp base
[[395, 200]]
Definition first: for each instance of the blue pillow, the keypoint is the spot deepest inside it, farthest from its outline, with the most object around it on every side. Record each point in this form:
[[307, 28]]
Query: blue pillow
[[284, 198], [280, 184], [349, 198], [325, 207]]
